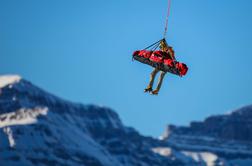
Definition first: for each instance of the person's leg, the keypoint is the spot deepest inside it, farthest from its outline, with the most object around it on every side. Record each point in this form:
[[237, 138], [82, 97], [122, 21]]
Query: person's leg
[[152, 78], [160, 81]]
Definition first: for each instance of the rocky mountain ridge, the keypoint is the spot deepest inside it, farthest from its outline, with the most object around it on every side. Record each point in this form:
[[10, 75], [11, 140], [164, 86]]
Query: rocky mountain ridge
[[38, 128]]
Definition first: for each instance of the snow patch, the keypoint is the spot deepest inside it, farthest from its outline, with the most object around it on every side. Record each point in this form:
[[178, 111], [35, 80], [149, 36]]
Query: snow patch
[[163, 151], [8, 80], [8, 132], [202, 143], [21, 117], [14, 98], [206, 157]]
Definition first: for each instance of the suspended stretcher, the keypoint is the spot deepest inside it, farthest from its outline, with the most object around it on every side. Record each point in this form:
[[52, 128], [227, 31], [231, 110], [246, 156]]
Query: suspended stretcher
[[160, 60]]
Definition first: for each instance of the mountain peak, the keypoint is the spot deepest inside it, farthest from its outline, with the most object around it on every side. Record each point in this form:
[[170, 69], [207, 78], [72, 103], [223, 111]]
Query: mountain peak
[[38, 128], [8, 80], [235, 126], [243, 111]]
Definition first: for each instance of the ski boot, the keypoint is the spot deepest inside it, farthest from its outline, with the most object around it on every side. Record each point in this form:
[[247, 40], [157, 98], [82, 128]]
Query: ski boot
[[155, 92], [148, 89]]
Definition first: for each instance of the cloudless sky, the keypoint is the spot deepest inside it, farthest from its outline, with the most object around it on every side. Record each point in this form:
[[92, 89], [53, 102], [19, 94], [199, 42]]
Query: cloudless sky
[[81, 50]]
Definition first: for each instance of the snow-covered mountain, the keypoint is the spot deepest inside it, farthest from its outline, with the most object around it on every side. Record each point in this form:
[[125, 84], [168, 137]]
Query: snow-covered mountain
[[38, 128], [218, 140]]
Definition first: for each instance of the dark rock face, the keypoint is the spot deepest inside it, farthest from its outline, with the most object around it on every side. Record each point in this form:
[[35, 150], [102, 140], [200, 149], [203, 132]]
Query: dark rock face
[[234, 126], [228, 138], [37, 128]]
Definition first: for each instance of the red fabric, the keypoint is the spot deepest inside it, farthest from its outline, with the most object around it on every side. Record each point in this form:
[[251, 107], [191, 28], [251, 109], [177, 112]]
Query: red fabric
[[162, 57], [157, 57], [182, 68], [141, 52], [145, 53], [169, 62], [136, 53], [158, 53]]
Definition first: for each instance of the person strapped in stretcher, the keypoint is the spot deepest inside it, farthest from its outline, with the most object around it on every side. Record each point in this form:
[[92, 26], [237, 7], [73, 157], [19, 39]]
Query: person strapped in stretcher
[[162, 60], [168, 53]]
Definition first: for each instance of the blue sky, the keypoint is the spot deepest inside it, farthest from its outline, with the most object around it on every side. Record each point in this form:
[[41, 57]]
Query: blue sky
[[81, 50]]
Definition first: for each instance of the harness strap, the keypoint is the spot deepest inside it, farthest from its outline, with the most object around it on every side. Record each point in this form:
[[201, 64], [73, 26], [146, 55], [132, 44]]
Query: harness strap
[[154, 44]]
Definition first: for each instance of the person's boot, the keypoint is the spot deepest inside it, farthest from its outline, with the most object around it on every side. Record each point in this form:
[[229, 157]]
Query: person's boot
[[155, 92], [148, 89]]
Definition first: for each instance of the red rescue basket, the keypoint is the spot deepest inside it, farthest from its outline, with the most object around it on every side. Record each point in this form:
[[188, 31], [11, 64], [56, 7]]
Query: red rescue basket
[[160, 60]]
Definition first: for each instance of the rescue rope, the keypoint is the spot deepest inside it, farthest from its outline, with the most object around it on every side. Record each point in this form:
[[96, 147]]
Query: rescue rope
[[166, 28], [167, 17], [153, 45]]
